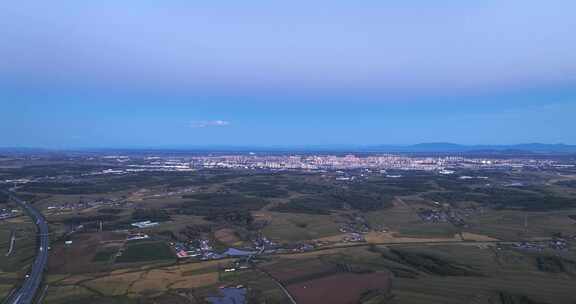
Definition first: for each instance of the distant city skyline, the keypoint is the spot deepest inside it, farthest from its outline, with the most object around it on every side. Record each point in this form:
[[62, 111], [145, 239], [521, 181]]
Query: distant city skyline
[[254, 73]]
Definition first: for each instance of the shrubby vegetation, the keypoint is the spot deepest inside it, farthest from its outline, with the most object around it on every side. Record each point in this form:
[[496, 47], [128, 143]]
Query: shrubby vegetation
[[222, 201], [110, 210], [306, 188], [507, 198], [429, 263], [342, 199], [410, 184], [225, 207], [258, 188], [309, 204], [195, 231], [555, 264]]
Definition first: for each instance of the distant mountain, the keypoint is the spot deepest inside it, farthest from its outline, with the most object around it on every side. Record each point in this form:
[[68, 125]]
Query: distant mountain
[[451, 147], [22, 150], [434, 147]]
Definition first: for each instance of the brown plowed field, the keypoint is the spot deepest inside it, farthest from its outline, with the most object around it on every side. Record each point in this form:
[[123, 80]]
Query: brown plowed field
[[341, 288]]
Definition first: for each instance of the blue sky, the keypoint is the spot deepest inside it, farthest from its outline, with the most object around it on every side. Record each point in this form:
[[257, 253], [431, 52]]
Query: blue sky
[[177, 73]]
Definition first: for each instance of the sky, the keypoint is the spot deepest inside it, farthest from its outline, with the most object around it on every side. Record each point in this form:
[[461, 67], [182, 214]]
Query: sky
[[175, 73]]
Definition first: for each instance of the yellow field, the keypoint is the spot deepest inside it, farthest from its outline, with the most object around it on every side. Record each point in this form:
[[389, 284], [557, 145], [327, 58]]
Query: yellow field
[[143, 281]]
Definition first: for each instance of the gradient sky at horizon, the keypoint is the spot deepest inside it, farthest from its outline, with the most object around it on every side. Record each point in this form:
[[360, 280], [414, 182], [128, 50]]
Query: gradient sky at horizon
[[177, 73]]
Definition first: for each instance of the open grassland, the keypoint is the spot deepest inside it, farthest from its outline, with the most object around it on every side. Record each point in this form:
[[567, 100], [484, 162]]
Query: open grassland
[[14, 267], [87, 253], [473, 290], [144, 252], [404, 221], [509, 271], [8, 281], [291, 227], [513, 225]]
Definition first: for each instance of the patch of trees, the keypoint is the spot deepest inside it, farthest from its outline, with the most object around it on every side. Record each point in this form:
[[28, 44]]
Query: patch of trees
[[409, 184], [307, 188], [110, 210], [195, 231], [235, 217], [309, 205], [258, 188], [506, 198], [323, 204], [154, 215], [364, 201], [555, 264], [169, 234], [205, 201], [222, 207]]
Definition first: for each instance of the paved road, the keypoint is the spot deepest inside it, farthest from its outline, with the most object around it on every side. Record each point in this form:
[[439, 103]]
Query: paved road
[[31, 285]]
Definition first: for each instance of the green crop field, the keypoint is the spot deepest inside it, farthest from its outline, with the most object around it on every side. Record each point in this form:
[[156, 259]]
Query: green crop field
[[145, 251]]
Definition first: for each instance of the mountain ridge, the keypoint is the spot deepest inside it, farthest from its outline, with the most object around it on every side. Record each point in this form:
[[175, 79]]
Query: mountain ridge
[[429, 147]]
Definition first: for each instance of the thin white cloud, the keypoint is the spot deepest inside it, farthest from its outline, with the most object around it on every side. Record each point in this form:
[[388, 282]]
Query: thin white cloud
[[209, 123]]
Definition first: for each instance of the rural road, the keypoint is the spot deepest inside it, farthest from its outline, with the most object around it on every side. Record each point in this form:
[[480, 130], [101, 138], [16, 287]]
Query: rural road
[[12, 243], [26, 293]]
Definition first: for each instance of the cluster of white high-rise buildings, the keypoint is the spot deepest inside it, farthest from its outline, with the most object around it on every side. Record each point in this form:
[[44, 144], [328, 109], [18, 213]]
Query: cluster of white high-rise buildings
[[383, 161]]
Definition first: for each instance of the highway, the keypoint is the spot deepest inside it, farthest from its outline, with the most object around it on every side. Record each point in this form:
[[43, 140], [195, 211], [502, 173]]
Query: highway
[[26, 293]]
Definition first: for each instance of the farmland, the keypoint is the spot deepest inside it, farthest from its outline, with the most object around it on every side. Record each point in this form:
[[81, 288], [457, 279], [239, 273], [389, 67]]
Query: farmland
[[345, 237]]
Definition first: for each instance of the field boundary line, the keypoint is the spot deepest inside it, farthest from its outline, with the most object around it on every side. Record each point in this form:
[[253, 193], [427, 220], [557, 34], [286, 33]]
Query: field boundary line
[[282, 287]]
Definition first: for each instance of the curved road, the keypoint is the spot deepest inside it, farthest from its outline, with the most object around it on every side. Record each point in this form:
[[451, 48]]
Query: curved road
[[26, 293]]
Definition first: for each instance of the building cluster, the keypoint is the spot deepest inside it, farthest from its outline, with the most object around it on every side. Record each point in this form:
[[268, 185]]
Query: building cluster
[[355, 223], [137, 236], [86, 204], [558, 242], [6, 213], [447, 214], [144, 224], [443, 164]]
